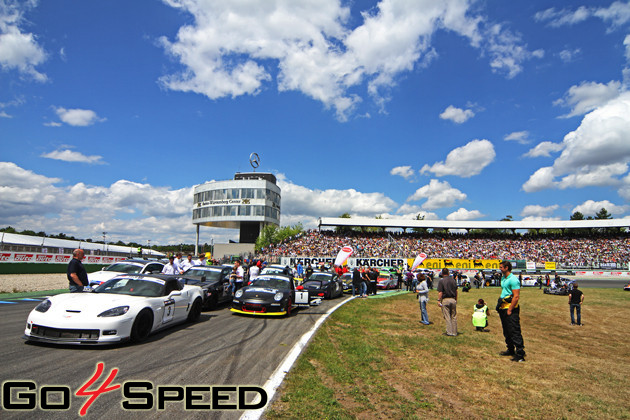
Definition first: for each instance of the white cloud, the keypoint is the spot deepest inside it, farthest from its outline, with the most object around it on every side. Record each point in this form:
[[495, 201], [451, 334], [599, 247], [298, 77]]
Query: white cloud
[[403, 171], [234, 48], [5, 115], [301, 201], [463, 214], [596, 153], [521, 137], [588, 96], [438, 195], [569, 55], [538, 211], [590, 208], [68, 155], [544, 148], [465, 161], [19, 50], [539, 180], [616, 15], [78, 117], [457, 115]]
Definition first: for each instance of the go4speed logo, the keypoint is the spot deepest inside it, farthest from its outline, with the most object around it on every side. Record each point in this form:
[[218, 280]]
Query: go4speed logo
[[25, 395]]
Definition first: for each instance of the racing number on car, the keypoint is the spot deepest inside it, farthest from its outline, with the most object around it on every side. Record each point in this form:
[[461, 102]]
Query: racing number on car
[[169, 310]]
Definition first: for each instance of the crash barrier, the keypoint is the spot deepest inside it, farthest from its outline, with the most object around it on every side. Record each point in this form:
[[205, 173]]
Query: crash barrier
[[603, 273], [41, 263]]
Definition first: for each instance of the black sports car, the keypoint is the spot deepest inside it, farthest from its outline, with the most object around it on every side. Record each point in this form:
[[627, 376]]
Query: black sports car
[[346, 279], [214, 281], [323, 285], [269, 294]]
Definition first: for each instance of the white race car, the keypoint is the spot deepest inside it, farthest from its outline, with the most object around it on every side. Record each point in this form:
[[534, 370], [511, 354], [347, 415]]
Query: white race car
[[131, 266], [124, 308]]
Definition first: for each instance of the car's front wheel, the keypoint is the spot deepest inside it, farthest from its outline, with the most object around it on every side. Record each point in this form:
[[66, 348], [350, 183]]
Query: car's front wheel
[[142, 326]]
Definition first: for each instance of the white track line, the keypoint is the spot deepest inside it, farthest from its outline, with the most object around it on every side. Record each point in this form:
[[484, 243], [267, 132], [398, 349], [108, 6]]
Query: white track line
[[275, 380]]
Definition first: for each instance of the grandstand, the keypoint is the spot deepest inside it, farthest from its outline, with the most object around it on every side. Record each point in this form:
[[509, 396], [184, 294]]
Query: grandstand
[[600, 244]]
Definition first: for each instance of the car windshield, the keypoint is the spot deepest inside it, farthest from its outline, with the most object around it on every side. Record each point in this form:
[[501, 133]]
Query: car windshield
[[124, 268], [272, 283], [320, 276], [272, 270], [312, 284], [211, 274], [133, 287]]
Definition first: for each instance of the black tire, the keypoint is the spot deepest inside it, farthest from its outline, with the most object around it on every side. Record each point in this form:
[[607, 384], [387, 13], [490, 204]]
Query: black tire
[[195, 311], [289, 305], [142, 326]]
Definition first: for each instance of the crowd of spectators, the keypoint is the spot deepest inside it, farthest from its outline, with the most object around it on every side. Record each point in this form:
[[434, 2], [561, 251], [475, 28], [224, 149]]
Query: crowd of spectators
[[590, 250]]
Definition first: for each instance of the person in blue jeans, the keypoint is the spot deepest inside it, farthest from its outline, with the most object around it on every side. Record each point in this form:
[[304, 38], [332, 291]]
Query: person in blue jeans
[[423, 297], [576, 298]]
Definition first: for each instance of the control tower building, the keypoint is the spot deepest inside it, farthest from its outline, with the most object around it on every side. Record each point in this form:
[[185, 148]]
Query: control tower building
[[248, 202]]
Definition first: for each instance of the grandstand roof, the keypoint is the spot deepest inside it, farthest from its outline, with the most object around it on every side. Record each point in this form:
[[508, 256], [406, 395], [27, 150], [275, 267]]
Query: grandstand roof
[[17, 239], [473, 224]]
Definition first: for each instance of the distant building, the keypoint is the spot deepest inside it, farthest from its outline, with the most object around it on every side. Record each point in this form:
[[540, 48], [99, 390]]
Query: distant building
[[249, 202]]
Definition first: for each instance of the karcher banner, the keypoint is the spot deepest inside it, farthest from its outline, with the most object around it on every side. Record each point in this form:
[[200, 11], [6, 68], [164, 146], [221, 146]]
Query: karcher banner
[[429, 263]]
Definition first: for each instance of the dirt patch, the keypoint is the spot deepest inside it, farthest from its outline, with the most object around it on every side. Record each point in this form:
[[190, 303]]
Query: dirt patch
[[14, 283]]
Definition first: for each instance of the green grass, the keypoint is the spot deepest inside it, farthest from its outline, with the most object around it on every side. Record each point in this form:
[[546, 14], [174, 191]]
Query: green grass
[[373, 359], [19, 295]]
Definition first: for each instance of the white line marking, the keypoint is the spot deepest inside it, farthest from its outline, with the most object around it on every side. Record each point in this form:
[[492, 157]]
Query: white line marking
[[275, 380]]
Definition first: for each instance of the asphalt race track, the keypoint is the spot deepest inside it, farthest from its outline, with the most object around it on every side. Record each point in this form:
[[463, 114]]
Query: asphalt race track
[[221, 349]]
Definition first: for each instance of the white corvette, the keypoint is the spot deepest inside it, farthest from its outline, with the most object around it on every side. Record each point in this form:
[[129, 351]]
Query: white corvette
[[124, 308]]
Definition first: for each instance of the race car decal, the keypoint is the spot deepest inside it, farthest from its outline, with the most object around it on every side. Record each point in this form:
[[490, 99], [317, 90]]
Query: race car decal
[[169, 310]]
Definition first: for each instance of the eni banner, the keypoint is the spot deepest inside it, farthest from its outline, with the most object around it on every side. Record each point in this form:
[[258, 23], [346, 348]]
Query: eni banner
[[429, 263], [439, 263]]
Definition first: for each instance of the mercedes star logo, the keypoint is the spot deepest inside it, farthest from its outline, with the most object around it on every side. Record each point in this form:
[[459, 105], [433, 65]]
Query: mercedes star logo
[[254, 160]]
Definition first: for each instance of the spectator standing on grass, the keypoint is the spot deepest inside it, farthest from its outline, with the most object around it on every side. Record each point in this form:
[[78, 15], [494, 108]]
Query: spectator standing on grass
[[373, 276], [423, 297], [77, 276], [576, 298], [509, 312], [447, 300]]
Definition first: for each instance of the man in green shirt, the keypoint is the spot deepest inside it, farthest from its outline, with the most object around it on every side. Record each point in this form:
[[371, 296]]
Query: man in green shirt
[[509, 312]]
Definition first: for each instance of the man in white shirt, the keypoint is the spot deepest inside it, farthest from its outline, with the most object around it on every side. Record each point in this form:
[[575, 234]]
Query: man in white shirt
[[171, 267], [187, 263], [253, 273]]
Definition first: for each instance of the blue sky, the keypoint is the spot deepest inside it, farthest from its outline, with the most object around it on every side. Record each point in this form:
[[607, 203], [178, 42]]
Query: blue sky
[[110, 112]]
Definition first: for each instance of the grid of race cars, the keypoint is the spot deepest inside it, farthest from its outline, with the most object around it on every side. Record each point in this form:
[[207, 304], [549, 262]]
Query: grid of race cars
[[132, 299]]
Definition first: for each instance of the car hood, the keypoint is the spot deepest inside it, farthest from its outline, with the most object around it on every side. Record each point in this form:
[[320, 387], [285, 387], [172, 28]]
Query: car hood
[[88, 304], [103, 275], [259, 292]]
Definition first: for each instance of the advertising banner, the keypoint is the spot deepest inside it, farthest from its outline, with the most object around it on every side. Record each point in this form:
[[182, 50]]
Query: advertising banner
[[34, 257], [550, 265], [428, 263]]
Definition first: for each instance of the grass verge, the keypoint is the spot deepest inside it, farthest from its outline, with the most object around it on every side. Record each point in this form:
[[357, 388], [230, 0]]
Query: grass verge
[[374, 359], [20, 295]]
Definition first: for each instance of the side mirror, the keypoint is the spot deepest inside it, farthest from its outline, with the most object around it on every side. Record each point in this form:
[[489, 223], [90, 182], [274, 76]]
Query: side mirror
[[299, 287]]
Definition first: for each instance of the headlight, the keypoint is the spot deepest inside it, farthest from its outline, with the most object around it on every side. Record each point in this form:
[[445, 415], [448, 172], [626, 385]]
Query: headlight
[[238, 293], [44, 306], [278, 297], [120, 310]]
